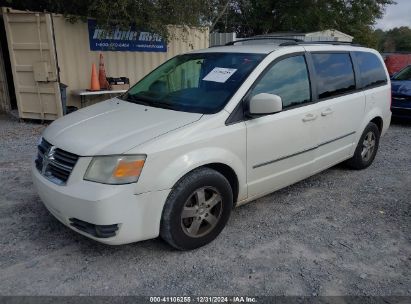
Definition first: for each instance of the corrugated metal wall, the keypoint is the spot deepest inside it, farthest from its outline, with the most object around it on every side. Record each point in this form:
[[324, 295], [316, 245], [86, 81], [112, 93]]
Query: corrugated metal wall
[[75, 58], [222, 38]]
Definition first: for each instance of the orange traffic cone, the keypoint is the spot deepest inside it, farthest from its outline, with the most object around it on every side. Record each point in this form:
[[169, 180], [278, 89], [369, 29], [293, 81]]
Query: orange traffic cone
[[95, 85], [102, 74]]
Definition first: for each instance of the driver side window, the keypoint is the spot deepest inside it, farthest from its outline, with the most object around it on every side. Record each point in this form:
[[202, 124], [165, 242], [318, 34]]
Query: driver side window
[[288, 79]]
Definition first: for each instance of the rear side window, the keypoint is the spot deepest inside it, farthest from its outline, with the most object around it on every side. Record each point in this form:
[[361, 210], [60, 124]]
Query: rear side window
[[371, 70], [335, 74]]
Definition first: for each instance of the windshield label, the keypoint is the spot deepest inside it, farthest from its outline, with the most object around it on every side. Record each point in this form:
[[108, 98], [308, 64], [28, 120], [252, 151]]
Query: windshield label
[[219, 74]]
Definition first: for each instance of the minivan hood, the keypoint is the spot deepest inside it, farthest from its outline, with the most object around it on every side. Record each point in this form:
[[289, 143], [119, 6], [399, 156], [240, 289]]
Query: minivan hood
[[113, 127]]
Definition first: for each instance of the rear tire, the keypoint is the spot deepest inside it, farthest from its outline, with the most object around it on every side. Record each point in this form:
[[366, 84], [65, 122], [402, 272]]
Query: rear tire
[[197, 209], [366, 149]]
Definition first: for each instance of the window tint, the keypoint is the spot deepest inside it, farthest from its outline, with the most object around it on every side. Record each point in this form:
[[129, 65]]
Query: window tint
[[335, 74], [288, 79], [404, 74], [371, 69]]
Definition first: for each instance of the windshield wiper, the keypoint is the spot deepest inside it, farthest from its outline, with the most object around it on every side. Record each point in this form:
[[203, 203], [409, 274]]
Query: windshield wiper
[[139, 99], [164, 105], [149, 102]]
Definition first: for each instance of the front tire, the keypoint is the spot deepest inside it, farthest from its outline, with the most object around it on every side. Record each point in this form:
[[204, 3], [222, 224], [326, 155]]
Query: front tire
[[197, 209], [366, 149]]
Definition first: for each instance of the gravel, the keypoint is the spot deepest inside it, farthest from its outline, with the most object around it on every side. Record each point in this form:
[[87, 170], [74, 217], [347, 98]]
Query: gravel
[[340, 232]]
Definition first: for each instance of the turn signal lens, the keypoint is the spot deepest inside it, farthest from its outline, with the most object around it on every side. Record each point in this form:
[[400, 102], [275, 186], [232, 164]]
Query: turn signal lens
[[115, 169], [128, 168]]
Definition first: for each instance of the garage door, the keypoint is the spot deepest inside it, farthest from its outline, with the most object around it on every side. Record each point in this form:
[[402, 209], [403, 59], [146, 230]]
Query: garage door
[[34, 64]]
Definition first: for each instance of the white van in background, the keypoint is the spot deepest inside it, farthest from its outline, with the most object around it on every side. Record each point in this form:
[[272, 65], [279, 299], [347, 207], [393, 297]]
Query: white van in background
[[210, 130]]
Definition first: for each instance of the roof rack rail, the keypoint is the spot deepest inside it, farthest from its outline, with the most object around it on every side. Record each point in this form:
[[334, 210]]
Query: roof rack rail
[[275, 38], [288, 43]]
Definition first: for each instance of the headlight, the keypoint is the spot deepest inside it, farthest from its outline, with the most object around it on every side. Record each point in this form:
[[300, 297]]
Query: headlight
[[116, 169]]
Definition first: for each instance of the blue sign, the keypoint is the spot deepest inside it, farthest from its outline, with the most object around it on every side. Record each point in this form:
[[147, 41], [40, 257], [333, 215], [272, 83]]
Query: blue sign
[[117, 39]]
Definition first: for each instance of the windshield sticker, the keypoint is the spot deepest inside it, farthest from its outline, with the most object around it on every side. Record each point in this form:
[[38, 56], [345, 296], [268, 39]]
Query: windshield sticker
[[219, 75]]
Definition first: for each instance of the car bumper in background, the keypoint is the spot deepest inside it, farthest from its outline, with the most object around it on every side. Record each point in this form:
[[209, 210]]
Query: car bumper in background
[[401, 108], [111, 214], [401, 112]]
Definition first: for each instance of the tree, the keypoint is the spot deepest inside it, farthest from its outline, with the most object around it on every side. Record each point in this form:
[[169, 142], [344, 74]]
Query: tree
[[379, 36], [151, 15], [245, 17], [254, 17], [395, 40]]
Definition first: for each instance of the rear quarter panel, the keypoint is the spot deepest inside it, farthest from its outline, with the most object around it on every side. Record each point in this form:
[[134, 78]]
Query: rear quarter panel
[[378, 102]]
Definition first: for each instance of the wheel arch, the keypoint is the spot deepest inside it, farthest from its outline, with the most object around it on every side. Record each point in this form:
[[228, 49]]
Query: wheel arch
[[229, 174], [374, 116], [225, 170], [165, 173], [379, 122]]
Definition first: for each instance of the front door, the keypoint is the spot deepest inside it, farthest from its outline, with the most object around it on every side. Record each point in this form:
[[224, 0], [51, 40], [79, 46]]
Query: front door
[[280, 147]]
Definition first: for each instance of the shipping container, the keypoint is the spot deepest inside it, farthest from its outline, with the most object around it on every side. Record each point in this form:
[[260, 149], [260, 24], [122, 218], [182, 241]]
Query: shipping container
[[46, 50]]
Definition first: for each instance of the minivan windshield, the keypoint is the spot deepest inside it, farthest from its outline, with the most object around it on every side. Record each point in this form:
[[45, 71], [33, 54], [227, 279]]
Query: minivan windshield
[[404, 74], [199, 82]]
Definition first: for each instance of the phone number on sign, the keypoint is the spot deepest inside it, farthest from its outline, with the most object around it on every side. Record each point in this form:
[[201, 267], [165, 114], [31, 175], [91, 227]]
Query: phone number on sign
[[112, 44]]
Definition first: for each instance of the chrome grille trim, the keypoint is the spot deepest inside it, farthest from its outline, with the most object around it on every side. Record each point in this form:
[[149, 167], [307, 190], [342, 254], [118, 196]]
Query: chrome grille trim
[[55, 164]]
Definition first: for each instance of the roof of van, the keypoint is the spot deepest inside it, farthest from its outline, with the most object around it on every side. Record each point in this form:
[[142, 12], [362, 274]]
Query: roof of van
[[265, 48]]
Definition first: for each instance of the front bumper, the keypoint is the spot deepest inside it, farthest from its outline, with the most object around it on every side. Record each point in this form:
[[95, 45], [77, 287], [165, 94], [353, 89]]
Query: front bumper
[[137, 215]]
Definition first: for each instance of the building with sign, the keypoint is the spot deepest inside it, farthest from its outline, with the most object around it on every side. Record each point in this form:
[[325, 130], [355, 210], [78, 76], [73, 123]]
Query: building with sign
[[41, 51]]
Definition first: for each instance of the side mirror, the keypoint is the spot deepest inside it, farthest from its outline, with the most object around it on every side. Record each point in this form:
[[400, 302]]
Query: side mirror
[[265, 103]]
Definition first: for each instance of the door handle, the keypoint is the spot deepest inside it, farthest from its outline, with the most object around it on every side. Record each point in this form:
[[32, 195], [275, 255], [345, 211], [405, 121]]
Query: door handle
[[326, 112], [309, 117]]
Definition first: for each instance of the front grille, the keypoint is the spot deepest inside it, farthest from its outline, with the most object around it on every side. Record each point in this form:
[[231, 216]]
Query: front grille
[[100, 231], [53, 163]]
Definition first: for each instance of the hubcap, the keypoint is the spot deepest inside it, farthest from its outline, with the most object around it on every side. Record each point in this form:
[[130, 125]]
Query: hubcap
[[201, 212], [368, 146]]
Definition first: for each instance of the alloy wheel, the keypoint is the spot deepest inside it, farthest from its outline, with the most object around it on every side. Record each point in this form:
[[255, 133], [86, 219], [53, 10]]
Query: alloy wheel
[[201, 212], [368, 146]]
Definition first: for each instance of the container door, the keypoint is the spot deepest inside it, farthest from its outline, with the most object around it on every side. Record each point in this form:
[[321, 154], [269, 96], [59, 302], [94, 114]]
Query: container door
[[4, 91], [34, 64]]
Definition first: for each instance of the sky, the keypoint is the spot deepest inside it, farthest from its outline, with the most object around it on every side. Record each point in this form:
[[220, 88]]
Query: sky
[[396, 15]]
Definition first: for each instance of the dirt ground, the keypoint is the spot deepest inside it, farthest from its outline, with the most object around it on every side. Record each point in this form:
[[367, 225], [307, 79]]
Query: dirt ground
[[341, 232]]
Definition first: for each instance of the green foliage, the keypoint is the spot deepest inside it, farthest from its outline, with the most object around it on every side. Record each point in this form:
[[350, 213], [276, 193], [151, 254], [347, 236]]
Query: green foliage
[[245, 17], [254, 17], [395, 40], [152, 15]]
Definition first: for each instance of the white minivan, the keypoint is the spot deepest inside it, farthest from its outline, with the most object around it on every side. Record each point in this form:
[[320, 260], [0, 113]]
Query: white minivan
[[210, 130]]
